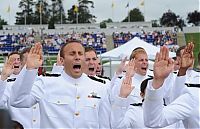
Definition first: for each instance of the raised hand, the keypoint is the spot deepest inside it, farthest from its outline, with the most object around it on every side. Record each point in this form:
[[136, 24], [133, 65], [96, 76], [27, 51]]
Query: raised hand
[[130, 68], [163, 66], [8, 68], [126, 87], [121, 67], [35, 59], [187, 57]]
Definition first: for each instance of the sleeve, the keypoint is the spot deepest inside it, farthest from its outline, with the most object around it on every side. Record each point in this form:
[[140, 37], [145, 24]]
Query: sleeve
[[57, 69], [156, 115], [22, 95], [119, 114], [2, 96]]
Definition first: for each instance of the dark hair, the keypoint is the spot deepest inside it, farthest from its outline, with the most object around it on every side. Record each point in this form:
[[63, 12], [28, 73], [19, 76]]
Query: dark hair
[[62, 48], [135, 51], [144, 83], [88, 49], [178, 52], [17, 125]]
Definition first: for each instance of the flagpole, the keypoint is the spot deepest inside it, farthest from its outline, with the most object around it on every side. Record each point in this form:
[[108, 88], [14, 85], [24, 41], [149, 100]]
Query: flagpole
[[129, 18], [41, 12], [112, 10]]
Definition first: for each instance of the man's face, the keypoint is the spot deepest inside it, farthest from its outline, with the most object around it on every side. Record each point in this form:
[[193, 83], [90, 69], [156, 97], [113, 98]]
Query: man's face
[[73, 59], [99, 67], [91, 62], [141, 63], [17, 66]]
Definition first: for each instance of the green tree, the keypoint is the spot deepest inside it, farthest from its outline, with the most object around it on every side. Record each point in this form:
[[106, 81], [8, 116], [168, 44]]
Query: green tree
[[135, 15], [83, 14], [2, 22], [194, 18], [26, 14], [41, 10], [169, 19]]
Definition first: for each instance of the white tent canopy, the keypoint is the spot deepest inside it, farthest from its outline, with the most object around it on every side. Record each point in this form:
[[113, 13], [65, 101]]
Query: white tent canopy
[[126, 49]]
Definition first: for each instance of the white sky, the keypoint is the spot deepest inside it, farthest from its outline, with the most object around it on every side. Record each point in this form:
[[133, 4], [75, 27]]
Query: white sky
[[152, 9]]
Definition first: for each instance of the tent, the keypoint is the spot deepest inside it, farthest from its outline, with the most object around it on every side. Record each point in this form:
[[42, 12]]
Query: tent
[[126, 49]]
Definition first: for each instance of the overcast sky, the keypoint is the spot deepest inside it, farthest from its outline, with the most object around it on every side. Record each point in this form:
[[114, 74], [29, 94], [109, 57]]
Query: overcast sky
[[152, 9]]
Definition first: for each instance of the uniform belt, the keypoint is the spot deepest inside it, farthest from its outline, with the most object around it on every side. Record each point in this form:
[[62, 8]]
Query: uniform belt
[[192, 85]]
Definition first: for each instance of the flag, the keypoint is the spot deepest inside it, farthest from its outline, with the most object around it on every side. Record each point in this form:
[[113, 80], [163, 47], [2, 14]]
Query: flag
[[75, 8], [113, 4], [8, 9], [127, 5], [142, 3]]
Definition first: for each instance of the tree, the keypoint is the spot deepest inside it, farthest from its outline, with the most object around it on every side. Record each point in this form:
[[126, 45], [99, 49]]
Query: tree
[[194, 17], [155, 23], [169, 19], [135, 15], [2, 22], [103, 23], [82, 13], [41, 10], [26, 14]]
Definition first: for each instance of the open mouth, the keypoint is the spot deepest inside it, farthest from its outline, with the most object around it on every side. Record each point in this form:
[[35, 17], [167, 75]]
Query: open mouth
[[77, 67], [16, 66], [144, 69], [91, 69]]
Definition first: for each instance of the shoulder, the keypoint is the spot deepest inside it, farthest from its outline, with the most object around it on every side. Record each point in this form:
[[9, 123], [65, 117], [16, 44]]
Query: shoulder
[[104, 77], [97, 79]]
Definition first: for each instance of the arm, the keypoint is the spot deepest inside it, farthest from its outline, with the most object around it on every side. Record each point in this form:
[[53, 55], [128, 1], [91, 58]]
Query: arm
[[156, 115]]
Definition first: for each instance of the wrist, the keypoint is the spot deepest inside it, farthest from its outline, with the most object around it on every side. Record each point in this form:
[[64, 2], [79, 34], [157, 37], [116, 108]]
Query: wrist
[[157, 83]]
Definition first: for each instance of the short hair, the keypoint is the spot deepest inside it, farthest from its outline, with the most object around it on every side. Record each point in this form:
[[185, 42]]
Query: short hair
[[178, 52], [136, 51], [88, 49], [62, 48], [143, 85], [12, 53]]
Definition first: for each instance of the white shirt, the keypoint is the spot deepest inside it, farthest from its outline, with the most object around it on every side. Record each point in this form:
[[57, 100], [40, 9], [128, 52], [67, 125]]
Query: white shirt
[[185, 107], [64, 102]]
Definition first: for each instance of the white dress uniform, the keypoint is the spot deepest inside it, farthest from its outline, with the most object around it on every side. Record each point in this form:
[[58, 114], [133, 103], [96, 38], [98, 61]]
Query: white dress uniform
[[64, 102], [185, 107], [28, 117]]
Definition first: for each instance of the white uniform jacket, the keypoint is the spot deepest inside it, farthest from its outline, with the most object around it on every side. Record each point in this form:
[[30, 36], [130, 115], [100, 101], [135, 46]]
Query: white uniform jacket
[[64, 102]]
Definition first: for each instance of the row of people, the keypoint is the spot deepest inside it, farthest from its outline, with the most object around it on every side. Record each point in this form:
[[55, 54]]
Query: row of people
[[79, 99]]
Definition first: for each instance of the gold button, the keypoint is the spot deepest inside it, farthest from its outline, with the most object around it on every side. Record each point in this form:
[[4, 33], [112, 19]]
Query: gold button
[[34, 120], [77, 97], [77, 113], [58, 101]]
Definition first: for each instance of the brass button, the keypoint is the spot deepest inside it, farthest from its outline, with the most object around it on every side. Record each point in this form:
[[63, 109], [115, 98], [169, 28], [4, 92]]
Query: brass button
[[77, 97], [34, 120], [34, 107], [58, 101], [77, 113]]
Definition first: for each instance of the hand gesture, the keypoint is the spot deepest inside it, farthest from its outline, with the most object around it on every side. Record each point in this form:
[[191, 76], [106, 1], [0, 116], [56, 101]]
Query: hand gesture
[[35, 59], [187, 57], [126, 87], [121, 67], [130, 68], [8, 68], [58, 62], [163, 66]]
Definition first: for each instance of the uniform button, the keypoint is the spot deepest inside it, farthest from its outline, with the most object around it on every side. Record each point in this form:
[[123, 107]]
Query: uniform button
[[34, 107], [76, 84], [77, 114], [77, 97], [58, 101], [34, 120]]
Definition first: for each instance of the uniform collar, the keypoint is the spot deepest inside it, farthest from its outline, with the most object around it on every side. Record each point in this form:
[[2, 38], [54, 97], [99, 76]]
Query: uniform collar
[[73, 80]]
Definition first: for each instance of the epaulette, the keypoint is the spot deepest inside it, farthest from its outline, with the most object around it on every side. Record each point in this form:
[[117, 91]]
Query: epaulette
[[120, 77], [97, 79], [192, 85], [136, 104], [103, 77], [196, 69], [11, 79], [51, 75]]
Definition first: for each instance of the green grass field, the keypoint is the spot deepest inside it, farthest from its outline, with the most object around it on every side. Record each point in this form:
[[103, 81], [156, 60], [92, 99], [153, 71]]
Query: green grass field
[[195, 38]]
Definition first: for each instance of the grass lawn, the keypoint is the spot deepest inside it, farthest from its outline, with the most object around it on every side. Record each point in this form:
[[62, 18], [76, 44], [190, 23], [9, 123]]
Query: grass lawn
[[195, 38]]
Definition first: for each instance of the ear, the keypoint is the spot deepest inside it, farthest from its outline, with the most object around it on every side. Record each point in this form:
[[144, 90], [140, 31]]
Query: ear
[[62, 60]]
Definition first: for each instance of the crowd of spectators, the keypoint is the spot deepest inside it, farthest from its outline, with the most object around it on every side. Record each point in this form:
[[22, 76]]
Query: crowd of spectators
[[51, 42], [157, 38]]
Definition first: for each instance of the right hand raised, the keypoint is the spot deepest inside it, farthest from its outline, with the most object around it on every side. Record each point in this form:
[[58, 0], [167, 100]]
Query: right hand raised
[[126, 87], [7, 68], [163, 66], [121, 67], [35, 59]]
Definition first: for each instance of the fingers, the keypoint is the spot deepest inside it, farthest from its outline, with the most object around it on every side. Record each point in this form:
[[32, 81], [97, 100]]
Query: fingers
[[157, 57]]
